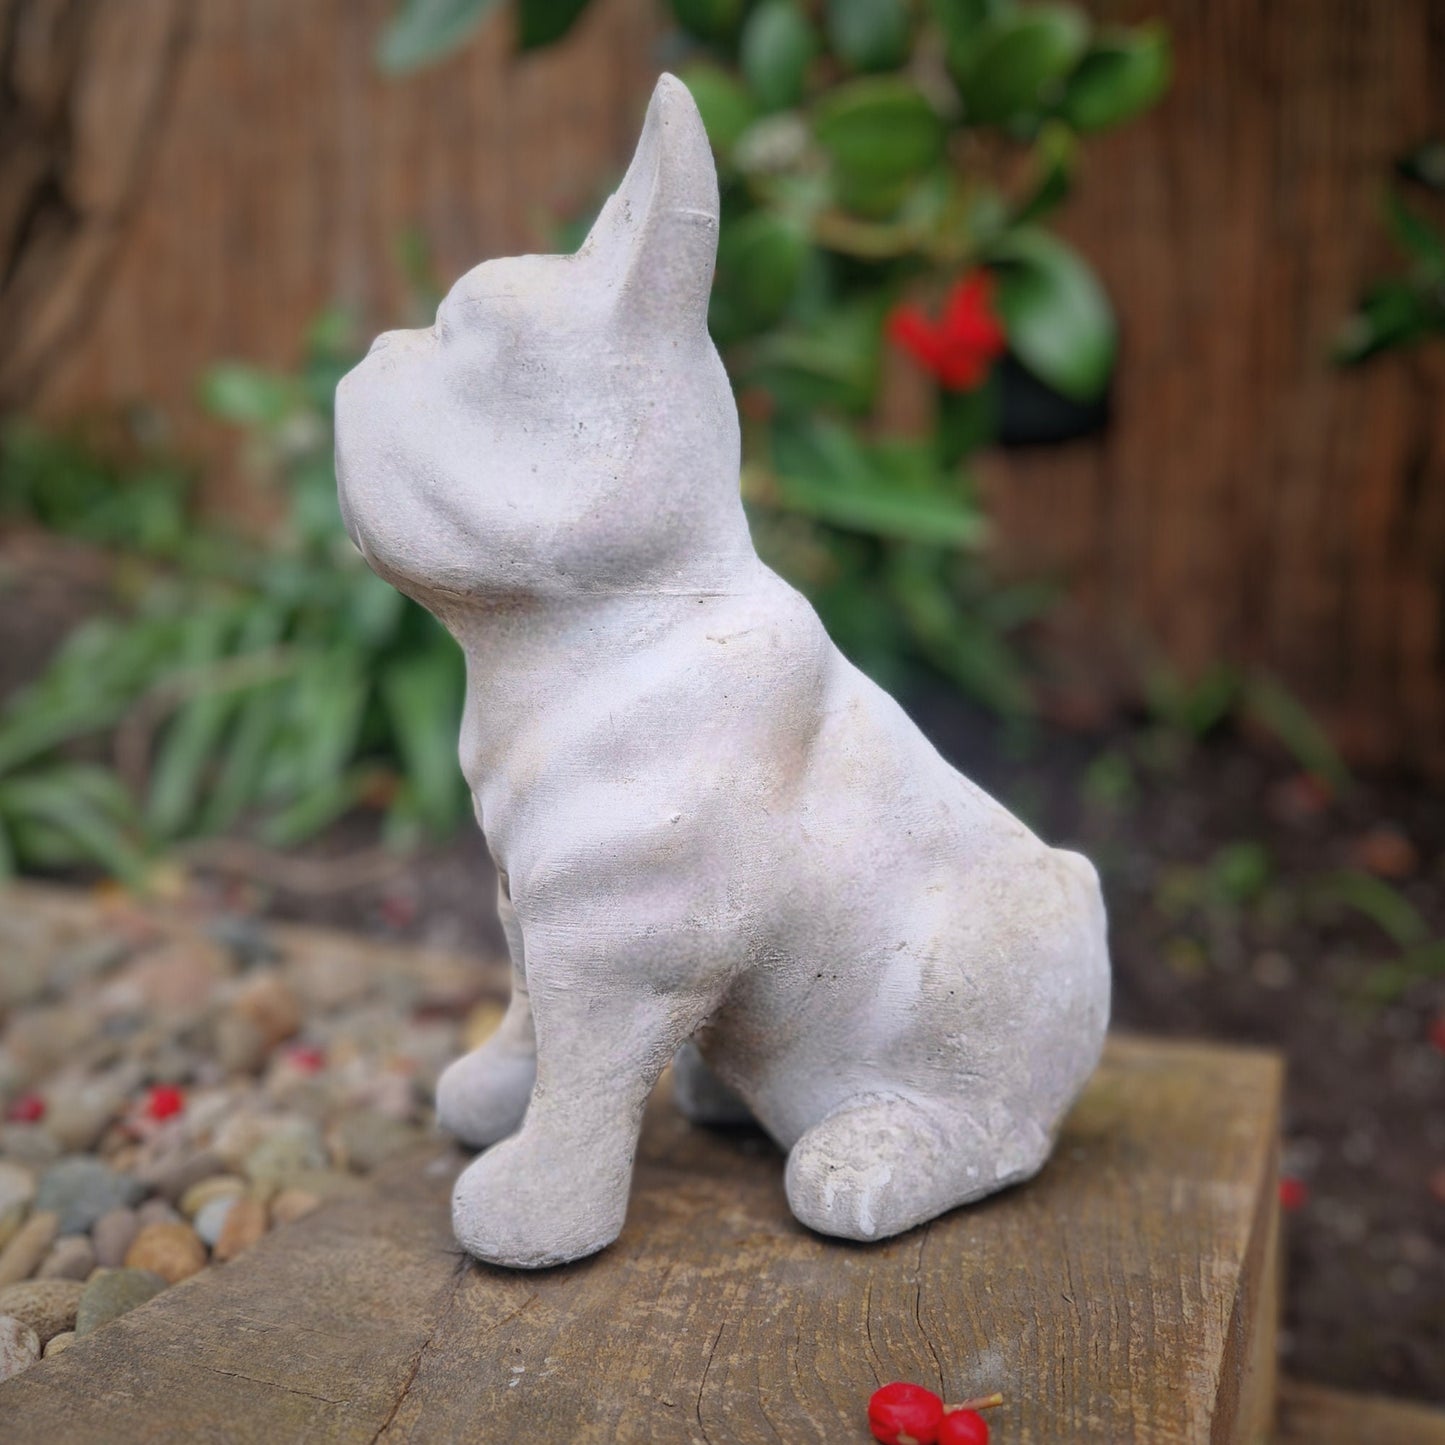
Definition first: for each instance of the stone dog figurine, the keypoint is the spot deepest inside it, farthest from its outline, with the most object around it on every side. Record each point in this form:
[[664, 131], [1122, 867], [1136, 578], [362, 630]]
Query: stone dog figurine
[[709, 826]]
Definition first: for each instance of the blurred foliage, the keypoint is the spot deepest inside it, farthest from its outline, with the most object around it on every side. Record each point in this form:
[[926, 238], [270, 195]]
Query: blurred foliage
[[267, 687], [873, 156], [1403, 310]]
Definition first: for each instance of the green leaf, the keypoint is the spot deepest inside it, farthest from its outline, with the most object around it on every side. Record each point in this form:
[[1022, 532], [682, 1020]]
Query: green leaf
[[1425, 165], [1053, 161], [238, 779], [1123, 74], [880, 133], [896, 491], [1017, 60], [776, 47], [830, 361], [760, 259], [869, 34], [967, 421], [423, 31], [1382, 904], [422, 694], [1392, 315], [1415, 236], [247, 395], [1059, 321], [540, 22], [1279, 710], [60, 802], [316, 809], [711, 20], [901, 516], [727, 109]]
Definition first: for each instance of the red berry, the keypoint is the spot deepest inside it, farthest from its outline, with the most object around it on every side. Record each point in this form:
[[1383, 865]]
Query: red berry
[[1437, 1032], [963, 1427], [306, 1060], [27, 1109], [1293, 1193], [164, 1101], [904, 1414]]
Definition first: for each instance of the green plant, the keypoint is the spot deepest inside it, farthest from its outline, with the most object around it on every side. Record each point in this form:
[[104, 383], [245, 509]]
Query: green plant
[[273, 687], [1403, 310], [879, 158]]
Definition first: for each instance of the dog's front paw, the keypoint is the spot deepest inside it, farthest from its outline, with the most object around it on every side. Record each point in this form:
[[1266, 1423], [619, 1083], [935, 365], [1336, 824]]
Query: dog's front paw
[[483, 1096], [529, 1206]]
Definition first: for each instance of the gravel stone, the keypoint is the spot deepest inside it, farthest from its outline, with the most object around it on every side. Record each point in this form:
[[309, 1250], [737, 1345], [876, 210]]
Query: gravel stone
[[80, 1189], [70, 1257], [113, 1294], [48, 1306], [19, 1347]]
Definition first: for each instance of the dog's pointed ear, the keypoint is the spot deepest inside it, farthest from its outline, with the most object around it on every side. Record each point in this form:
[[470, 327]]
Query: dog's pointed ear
[[656, 238]]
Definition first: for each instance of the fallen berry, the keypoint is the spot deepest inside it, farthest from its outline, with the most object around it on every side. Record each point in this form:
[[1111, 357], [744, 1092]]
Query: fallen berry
[[963, 1427], [904, 1414], [164, 1101], [27, 1109], [1293, 1193], [306, 1060]]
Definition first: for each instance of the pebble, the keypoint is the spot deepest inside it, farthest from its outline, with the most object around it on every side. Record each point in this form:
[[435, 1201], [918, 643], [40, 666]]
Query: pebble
[[71, 1257], [157, 1211], [58, 1343], [21, 1257], [210, 1218], [28, 1144], [114, 1233], [76, 1114], [293, 1204], [269, 1002], [325, 1184], [17, 1190], [173, 1251], [240, 1046], [290, 1147], [209, 1191], [19, 1347], [177, 1169], [80, 1189], [113, 1294], [365, 1138], [244, 1224], [48, 1306]]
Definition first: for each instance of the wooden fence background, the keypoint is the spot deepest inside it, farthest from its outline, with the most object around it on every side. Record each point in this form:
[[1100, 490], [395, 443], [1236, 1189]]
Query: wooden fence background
[[226, 167]]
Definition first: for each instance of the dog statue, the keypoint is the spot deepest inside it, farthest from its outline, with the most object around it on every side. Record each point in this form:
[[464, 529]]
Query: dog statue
[[716, 839]]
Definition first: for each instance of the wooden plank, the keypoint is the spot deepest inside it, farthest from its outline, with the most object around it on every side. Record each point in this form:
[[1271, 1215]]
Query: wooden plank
[[1313, 1415], [1123, 1296]]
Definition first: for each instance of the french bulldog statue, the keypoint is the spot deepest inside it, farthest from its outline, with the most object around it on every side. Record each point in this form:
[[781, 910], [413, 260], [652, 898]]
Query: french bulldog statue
[[716, 839]]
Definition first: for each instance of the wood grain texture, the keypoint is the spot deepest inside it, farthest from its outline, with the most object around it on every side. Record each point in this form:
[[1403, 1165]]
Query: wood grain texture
[[1252, 504], [1121, 1297], [1313, 1415]]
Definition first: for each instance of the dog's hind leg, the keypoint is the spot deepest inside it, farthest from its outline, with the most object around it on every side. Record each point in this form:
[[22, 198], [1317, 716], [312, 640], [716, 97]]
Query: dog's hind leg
[[700, 1095], [886, 1162], [483, 1096]]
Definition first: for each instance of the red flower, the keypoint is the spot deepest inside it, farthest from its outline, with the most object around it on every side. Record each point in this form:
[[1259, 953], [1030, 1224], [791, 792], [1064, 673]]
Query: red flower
[[960, 346]]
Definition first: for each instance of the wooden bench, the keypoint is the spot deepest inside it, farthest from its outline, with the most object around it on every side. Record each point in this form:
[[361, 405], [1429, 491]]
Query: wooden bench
[[1128, 1294]]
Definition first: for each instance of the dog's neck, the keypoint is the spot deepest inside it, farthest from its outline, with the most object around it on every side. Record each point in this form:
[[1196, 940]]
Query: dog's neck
[[527, 654]]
